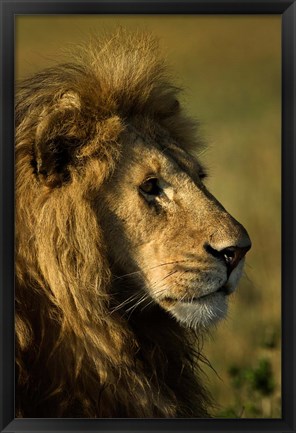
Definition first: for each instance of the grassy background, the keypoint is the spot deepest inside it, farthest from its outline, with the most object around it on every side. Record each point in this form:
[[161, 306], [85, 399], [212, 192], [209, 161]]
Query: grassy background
[[229, 67]]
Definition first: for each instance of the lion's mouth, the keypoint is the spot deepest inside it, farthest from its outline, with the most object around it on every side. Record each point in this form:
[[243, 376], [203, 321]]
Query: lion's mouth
[[225, 290]]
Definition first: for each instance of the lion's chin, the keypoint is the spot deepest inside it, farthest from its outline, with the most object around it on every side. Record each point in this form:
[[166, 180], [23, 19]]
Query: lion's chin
[[201, 313]]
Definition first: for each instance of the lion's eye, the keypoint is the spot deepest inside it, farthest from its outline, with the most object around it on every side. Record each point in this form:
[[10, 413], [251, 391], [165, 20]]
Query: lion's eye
[[151, 187]]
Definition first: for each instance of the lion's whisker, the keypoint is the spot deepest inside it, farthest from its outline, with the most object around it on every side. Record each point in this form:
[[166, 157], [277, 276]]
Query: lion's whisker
[[126, 302], [147, 295], [133, 307], [150, 268], [142, 298]]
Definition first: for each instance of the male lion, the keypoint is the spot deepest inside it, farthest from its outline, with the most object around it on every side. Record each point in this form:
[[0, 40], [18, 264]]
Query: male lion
[[123, 257]]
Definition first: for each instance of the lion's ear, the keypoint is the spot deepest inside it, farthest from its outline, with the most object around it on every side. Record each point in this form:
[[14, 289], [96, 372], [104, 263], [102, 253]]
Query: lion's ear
[[60, 132]]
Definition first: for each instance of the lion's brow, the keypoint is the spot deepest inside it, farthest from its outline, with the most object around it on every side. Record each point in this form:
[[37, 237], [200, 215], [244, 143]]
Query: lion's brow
[[185, 161]]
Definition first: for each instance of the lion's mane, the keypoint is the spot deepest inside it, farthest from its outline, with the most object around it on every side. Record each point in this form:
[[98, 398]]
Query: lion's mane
[[74, 357]]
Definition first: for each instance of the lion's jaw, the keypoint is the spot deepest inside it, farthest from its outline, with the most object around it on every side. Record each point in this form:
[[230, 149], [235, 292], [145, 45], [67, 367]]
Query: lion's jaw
[[209, 308], [159, 231]]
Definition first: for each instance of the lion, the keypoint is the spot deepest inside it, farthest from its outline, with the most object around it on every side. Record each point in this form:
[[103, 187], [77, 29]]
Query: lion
[[124, 259]]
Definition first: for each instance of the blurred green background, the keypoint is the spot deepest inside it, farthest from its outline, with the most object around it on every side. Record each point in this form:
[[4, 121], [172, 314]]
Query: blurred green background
[[229, 67]]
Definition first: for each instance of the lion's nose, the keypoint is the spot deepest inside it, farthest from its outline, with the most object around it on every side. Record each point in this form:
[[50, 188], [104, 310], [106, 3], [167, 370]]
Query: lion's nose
[[231, 255]]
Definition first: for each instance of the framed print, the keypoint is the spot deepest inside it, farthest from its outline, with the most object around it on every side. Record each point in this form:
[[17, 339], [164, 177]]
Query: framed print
[[147, 216]]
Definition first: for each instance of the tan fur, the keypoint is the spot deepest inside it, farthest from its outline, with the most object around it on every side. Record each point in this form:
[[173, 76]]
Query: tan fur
[[94, 328]]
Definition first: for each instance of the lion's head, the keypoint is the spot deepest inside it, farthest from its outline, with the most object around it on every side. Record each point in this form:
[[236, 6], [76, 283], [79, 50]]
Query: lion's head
[[168, 233], [114, 219]]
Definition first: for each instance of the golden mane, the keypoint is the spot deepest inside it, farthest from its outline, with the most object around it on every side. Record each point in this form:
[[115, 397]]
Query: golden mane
[[76, 355]]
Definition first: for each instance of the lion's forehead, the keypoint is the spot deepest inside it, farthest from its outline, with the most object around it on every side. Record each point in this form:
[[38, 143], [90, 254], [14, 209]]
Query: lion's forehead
[[168, 158]]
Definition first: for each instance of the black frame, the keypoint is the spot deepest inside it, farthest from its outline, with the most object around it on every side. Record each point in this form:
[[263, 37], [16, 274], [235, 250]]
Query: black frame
[[10, 8]]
